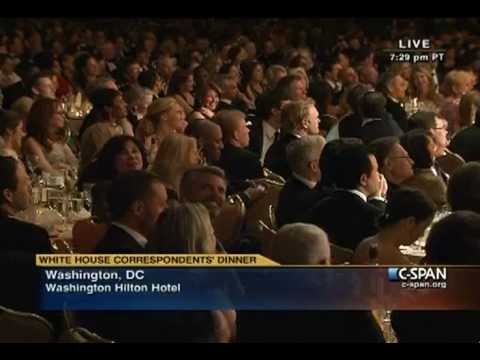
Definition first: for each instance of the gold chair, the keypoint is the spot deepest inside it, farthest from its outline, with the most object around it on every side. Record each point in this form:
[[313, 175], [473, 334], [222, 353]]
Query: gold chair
[[81, 335], [263, 209], [61, 246], [267, 237], [86, 235], [22, 327], [229, 222]]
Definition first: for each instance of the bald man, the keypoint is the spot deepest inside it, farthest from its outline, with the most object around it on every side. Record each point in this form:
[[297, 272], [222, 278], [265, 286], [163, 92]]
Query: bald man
[[238, 163], [210, 139], [301, 244]]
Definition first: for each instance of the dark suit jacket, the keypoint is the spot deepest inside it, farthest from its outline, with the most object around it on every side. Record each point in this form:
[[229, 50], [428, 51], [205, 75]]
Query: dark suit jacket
[[346, 218], [399, 115], [376, 129], [276, 156], [12, 93], [295, 200], [467, 143], [433, 186], [117, 241], [23, 237], [239, 165], [351, 126], [256, 136], [20, 242]]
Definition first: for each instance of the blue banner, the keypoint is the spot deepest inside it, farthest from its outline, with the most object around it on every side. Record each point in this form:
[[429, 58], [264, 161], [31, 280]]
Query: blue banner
[[288, 288]]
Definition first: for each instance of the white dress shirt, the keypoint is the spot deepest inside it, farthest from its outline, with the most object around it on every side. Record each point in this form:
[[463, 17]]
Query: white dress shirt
[[310, 184], [359, 194], [139, 238], [364, 197], [268, 138]]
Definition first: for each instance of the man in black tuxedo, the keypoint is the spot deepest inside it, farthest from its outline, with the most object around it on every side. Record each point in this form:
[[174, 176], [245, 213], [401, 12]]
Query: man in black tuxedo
[[393, 161], [346, 215], [15, 196], [229, 93], [330, 72], [467, 142], [394, 87], [301, 191], [376, 122], [238, 163], [21, 241], [265, 129], [136, 200], [298, 118], [351, 124]]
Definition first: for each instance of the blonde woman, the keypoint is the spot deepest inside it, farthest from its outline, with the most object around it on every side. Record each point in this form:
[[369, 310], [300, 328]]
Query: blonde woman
[[456, 84], [164, 117], [187, 229], [423, 89], [176, 154]]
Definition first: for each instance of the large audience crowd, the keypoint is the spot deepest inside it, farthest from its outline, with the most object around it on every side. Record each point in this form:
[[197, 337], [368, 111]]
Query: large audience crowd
[[167, 123]]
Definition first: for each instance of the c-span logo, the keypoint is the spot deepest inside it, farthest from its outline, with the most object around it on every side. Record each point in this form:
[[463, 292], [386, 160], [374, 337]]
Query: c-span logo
[[419, 277]]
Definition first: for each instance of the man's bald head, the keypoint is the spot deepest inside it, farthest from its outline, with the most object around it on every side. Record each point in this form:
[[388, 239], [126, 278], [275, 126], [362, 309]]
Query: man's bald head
[[301, 244], [210, 139]]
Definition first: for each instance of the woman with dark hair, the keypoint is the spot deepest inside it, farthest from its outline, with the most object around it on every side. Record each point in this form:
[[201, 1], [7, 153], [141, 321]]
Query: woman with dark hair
[[206, 101], [454, 240], [201, 77], [86, 71], [45, 143], [421, 148], [409, 213], [119, 155], [11, 133], [252, 84], [181, 87]]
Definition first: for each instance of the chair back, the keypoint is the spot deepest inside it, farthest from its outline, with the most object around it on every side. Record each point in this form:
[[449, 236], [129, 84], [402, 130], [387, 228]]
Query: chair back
[[263, 209], [23, 327], [61, 246], [86, 235], [229, 222], [267, 237], [81, 335]]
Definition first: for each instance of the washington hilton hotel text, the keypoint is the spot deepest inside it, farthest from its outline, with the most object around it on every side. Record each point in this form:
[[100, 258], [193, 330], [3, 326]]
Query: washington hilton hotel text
[[57, 276]]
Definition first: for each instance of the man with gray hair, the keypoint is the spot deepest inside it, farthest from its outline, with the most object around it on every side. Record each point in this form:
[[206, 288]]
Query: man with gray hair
[[229, 93], [394, 87], [301, 191], [301, 244]]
